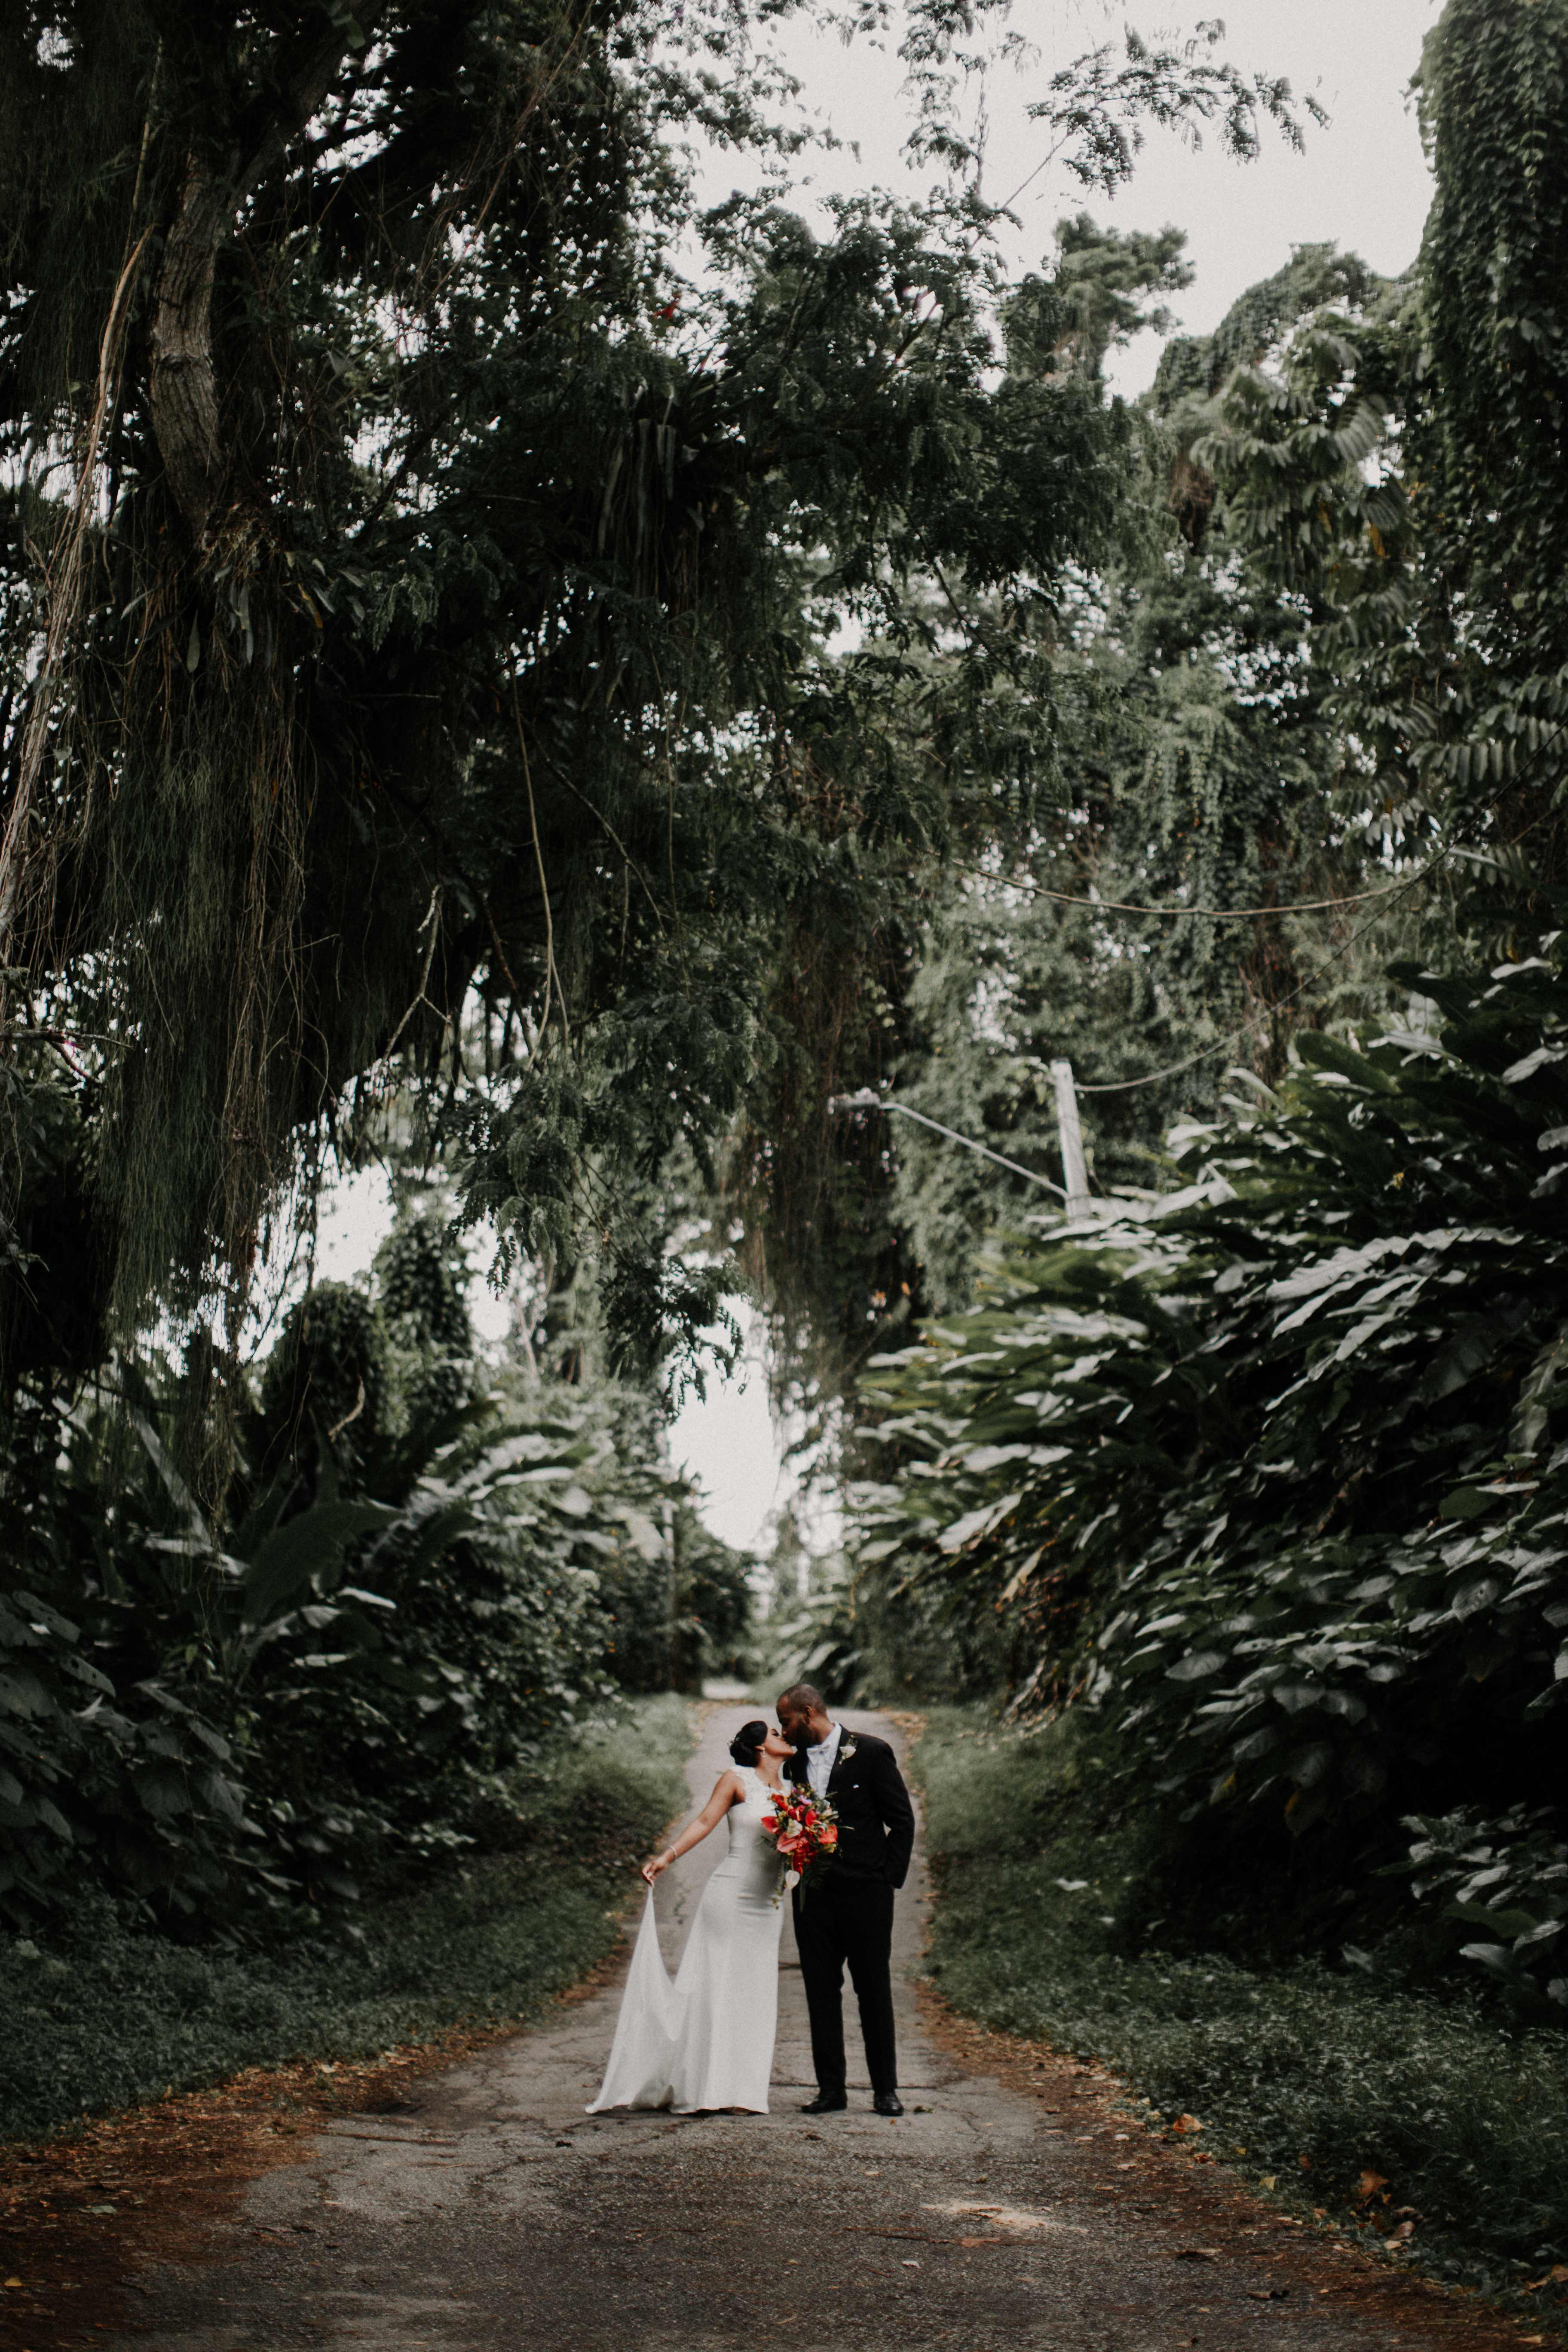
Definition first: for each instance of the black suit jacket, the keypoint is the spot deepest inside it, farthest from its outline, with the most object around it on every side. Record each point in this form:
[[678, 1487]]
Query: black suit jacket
[[876, 1819]]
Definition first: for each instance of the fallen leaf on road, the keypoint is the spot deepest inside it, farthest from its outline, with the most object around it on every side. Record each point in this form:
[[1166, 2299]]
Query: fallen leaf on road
[[1267, 2293], [1196, 2255], [1186, 2124]]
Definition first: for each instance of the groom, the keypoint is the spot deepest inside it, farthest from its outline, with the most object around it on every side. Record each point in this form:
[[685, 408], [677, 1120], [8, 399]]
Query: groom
[[849, 1916]]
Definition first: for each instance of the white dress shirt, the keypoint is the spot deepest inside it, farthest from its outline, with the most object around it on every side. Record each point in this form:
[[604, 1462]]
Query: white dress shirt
[[819, 1761]]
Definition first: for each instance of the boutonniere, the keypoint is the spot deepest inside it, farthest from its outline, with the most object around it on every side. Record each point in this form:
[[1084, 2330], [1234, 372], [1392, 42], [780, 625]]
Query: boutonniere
[[848, 1750]]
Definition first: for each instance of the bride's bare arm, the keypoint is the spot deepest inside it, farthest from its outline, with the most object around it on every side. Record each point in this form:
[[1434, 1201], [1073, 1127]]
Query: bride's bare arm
[[726, 1789]]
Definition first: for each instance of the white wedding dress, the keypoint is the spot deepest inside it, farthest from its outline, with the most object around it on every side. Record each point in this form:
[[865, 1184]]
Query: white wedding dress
[[707, 2039]]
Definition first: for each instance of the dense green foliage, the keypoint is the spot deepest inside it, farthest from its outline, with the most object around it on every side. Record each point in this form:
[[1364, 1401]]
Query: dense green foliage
[[1490, 454], [1301, 2078], [1267, 1468], [1195, 887], [1397, 468], [1350, 663], [421, 1588], [99, 2017]]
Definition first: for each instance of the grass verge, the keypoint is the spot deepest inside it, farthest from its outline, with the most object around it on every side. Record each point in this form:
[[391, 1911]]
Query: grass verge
[[1306, 2081], [107, 2017]]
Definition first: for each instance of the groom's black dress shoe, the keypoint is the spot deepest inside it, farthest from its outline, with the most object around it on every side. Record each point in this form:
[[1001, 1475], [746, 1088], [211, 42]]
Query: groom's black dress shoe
[[888, 2103], [827, 2103]]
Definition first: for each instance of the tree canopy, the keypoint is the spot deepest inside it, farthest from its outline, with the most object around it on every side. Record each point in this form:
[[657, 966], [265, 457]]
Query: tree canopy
[[441, 529]]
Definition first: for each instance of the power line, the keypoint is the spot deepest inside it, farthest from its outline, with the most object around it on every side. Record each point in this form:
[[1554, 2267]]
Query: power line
[[1152, 1077], [866, 1099], [1215, 913], [869, 1099]]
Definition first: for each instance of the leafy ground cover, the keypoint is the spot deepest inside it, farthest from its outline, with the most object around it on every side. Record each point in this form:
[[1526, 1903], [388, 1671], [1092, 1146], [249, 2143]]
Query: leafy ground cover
[[105, 2016], [1425, 2119]]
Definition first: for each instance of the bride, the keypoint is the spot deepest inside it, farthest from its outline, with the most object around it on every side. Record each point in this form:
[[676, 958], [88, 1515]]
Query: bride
[[707, 2039]]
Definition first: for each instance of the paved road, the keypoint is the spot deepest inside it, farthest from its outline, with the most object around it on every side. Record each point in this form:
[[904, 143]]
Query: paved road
[[499, 2215]]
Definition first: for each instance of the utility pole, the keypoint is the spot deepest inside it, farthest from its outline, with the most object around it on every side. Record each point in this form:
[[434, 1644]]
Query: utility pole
[[1073, 1168]]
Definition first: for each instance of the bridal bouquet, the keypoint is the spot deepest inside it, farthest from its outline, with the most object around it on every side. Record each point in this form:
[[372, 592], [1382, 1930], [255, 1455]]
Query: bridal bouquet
[[805, 1828]]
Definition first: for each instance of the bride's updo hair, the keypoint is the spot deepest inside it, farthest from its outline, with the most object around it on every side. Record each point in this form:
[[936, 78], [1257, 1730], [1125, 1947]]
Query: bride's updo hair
[[747, 1745]]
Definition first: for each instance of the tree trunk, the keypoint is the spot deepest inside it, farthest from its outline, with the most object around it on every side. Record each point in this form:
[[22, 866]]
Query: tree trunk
[[182, 389], [183, 385]]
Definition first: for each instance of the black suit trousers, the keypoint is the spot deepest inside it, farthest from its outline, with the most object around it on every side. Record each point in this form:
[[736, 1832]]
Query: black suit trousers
[[849, 1920]]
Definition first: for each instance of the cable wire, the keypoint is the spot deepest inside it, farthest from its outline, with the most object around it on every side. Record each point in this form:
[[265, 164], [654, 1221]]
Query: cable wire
[[1174, 1069], [1215, 913], [1451, 850]]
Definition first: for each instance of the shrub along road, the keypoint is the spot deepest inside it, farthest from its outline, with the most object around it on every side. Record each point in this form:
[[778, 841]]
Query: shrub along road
[[480, 2207]]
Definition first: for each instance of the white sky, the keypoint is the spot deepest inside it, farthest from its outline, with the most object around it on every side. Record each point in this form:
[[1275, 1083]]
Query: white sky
[[726, 1441], [1361, 184]]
